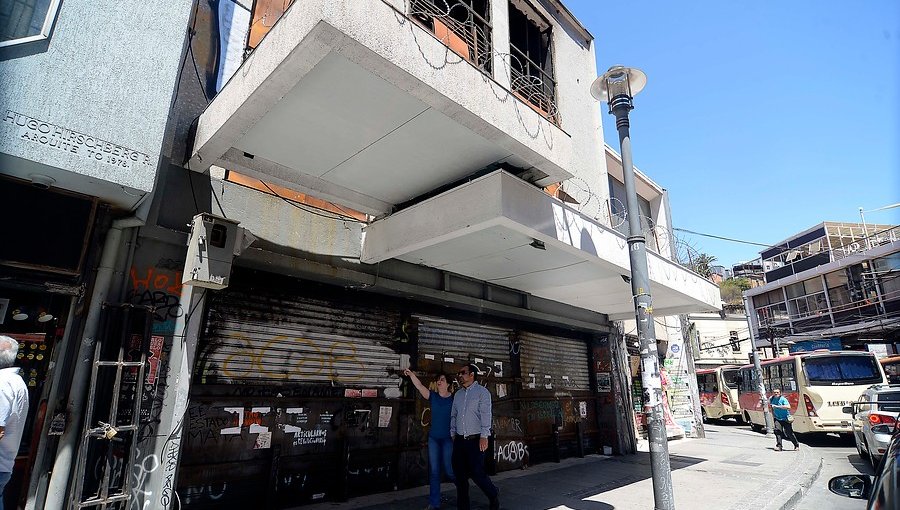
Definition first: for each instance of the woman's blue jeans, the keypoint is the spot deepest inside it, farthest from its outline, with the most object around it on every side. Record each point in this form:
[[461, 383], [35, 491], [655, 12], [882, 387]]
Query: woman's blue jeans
[[440, 455]]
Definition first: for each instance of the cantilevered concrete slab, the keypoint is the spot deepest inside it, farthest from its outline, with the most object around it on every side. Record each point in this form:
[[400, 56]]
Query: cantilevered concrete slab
[[357, 104], [503, 230]]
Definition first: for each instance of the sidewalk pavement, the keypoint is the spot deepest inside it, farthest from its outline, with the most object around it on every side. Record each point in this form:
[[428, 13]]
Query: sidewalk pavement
[[732, 468]]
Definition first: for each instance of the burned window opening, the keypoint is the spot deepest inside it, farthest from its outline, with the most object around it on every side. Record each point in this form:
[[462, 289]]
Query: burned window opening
[[264, 15], [462, 25], [531, 62]]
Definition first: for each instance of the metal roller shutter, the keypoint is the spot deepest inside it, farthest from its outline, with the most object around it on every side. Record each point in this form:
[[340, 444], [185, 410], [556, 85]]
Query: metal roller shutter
[[462, 339], [446, 346], [266, 337], [561, 363]]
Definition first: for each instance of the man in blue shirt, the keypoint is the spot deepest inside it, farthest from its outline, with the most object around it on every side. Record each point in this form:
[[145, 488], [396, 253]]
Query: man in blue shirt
[[470, 427], [781, 410]]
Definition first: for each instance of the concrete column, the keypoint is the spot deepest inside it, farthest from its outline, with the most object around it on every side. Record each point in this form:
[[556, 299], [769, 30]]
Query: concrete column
[[500, 24], [160, 461]]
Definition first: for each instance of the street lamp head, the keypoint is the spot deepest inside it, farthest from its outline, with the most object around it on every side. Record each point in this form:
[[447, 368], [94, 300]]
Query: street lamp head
[[618, 82]]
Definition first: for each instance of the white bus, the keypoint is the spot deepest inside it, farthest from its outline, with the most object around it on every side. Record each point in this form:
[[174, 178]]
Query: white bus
[[817, 384], [719, 393]]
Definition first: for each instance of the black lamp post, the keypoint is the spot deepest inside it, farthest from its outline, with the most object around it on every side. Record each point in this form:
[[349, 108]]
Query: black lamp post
[[617, 87]]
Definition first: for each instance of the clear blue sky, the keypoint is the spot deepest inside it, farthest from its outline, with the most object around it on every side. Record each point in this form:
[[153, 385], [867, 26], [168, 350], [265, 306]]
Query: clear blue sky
[[761, 118]]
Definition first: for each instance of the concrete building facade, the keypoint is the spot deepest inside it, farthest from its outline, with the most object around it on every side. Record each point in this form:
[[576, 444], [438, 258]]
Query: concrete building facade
[[377, 184]]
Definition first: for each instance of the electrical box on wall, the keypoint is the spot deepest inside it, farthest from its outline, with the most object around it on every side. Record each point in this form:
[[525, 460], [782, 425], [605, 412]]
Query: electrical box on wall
[[211, 250]]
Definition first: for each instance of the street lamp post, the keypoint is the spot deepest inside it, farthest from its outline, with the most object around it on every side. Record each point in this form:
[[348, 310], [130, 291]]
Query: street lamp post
[[617, 87]]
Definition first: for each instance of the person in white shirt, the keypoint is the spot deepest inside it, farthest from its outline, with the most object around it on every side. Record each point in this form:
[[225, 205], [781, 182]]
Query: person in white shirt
[[13, 409]]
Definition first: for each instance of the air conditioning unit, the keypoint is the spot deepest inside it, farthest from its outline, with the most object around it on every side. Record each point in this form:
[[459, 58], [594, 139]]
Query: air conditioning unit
[[212, 246]]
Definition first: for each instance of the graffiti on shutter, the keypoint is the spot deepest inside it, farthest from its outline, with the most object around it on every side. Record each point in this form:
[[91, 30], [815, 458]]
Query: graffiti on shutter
[[557, 397], [275, 339]]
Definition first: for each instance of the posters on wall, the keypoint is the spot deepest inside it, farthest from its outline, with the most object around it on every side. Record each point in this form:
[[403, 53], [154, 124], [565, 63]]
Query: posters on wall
[[676, 384]]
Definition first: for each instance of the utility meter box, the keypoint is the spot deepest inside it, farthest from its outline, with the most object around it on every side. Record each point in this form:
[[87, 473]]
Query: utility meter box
[[211, 250]]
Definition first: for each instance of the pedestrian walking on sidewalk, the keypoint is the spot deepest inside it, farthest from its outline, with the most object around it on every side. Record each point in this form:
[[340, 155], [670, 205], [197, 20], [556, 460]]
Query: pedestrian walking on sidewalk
[[470, 427], [440, 445], [781, 410]]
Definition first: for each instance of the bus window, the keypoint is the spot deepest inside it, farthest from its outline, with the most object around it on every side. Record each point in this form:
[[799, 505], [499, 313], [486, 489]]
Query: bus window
[[787, 370], [788, 381], [712, 385], [769, 376], [751, 382], [842, 370], [731, 377], [703, 383], [708, 383]]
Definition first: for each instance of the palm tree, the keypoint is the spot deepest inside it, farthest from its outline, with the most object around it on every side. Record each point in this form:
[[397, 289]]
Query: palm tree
[[703, 264]]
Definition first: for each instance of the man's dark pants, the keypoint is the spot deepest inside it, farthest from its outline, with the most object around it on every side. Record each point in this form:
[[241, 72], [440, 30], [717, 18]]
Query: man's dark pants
[[468, 462], [784, 428]]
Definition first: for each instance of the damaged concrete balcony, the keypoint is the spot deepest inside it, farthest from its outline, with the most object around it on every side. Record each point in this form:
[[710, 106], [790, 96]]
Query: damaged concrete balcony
[[361, 104], [502, 230]]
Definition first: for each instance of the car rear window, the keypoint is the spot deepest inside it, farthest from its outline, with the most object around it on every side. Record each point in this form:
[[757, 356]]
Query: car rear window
[[893, 399]]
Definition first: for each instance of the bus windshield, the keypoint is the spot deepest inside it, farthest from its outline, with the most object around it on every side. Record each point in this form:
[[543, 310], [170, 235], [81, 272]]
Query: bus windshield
[[731, 377], [842, 370]]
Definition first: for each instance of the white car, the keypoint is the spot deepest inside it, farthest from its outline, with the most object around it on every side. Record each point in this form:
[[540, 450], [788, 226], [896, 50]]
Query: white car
[[874, 418]]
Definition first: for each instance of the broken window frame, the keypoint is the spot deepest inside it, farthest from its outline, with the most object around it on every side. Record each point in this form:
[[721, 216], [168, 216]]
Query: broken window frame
[[532, 71]]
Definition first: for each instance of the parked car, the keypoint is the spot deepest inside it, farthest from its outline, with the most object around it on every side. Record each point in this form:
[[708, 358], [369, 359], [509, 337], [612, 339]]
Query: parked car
[[880, 490], [874, 418]]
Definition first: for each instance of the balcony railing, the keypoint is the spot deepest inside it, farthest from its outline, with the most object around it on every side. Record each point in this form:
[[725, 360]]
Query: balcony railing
[[798, 322], [460, 28], [871, 240], [529, 81]]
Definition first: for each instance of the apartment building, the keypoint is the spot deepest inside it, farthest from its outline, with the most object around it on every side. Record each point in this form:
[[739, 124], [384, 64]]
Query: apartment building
[[833, 284]]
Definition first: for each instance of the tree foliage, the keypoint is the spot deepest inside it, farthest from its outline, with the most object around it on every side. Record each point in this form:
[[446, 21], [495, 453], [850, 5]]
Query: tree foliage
[[732, 289], [702, 264], [690, 257]]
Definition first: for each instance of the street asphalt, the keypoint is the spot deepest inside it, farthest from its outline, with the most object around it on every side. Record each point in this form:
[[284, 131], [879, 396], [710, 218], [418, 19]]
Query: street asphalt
[[732, 468]]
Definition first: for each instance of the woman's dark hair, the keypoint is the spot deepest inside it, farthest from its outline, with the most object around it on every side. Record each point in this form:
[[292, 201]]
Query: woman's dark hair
[[445, 376]]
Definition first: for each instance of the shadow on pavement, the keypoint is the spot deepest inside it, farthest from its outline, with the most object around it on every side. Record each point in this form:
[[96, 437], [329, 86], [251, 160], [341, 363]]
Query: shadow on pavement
[[725, 423], [826, 440], [565, 487]]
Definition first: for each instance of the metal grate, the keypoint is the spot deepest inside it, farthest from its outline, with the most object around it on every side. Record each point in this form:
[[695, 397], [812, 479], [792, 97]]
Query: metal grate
[[461, 339], [563, 359], [113, 408], [460, 27]]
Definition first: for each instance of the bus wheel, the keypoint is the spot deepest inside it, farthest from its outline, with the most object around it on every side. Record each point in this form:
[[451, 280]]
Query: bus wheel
[[756, 428], [740, 419], [747, 421]]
